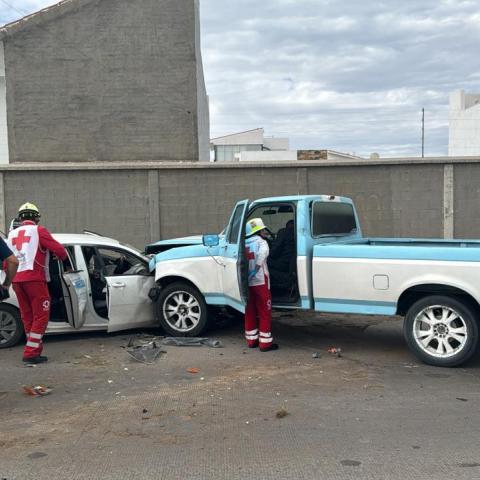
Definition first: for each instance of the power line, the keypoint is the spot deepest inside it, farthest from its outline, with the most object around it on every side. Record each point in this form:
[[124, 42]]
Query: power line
[[25, 13]]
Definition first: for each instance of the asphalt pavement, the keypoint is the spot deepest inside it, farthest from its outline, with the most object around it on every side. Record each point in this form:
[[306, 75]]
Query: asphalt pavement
[[374, 412]]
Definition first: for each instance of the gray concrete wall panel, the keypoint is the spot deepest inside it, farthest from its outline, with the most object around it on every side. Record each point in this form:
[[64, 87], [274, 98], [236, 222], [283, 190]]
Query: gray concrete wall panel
[[201, 201], [467, 201], [401, 201], [115, 205]]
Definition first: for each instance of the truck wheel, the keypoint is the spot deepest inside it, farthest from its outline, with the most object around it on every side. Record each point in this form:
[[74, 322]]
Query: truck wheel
[[11, 326], [441, 331], [182, 311]]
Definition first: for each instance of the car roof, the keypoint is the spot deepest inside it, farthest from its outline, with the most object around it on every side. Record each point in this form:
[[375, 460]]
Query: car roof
[[84, 239]]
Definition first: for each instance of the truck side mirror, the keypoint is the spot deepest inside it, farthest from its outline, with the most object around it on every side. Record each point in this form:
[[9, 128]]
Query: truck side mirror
[[210, 240]]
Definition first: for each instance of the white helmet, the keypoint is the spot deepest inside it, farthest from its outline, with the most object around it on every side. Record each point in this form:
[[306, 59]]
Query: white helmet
[[254, 226]]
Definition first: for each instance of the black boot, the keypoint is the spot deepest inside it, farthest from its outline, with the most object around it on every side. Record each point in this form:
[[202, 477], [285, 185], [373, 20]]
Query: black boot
[[270, 348], [35, 360]]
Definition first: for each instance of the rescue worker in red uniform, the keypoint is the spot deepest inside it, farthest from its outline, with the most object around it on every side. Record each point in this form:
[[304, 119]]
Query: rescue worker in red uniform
[[258, 314], [32, 244]]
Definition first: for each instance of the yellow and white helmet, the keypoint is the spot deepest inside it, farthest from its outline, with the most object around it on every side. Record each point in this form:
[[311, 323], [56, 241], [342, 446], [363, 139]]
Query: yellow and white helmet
[[254, 226], [28, 210]]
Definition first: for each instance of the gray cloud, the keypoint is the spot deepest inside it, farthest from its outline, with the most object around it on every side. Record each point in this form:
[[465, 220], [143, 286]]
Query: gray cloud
[[350, 76]]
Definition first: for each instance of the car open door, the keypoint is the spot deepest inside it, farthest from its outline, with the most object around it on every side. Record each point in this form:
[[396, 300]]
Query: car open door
[[128, 303], [232, 253], [75, 294]]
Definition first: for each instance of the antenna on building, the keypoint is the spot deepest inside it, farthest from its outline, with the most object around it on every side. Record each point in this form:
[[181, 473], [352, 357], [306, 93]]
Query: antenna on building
[[423, 132]]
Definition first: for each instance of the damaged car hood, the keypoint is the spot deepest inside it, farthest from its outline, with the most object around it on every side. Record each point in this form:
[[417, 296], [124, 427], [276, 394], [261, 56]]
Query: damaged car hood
[[164, 245]]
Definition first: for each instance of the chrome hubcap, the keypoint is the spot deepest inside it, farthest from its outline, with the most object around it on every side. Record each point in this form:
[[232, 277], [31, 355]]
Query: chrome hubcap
[[182, 311], [440, 331], [8, 327]]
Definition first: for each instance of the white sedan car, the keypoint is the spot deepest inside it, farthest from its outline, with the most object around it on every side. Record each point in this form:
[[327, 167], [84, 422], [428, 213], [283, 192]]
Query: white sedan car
[[103, 285]]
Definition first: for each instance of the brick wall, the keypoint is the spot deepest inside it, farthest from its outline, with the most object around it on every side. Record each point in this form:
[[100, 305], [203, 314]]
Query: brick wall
[[106, 80]]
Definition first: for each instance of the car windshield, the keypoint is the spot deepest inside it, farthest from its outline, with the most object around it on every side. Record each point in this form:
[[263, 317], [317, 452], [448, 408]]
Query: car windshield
[[136, 250]]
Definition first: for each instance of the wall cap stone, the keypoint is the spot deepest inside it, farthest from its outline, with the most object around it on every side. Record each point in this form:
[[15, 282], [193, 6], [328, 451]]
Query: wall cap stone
[[175, 165]]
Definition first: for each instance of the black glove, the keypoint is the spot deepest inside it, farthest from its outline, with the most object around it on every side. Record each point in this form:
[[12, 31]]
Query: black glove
[[4, 294]]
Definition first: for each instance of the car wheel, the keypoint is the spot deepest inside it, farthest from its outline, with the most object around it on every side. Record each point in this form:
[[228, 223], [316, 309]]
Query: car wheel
[[11, 326], [182, 311], [441, 331]]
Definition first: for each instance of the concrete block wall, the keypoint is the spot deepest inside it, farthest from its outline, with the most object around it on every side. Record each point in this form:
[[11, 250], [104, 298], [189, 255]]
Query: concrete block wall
[[387, 195], [141, 203], [111, 203]]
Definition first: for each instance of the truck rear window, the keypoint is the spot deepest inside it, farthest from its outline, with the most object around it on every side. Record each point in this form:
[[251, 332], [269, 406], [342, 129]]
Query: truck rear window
[[332, 218]]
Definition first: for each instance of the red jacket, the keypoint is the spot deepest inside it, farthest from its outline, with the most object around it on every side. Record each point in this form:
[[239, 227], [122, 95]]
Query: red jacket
[[45, 243]]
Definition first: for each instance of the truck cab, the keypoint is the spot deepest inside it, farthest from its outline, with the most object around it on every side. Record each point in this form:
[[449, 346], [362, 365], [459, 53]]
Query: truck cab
[[211, 270]]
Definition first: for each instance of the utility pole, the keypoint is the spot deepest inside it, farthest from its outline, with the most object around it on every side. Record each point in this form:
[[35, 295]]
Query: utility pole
[[423, 132]]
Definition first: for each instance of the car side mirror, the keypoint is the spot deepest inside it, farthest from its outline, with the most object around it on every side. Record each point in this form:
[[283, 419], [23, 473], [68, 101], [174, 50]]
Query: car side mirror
[[210, 240]]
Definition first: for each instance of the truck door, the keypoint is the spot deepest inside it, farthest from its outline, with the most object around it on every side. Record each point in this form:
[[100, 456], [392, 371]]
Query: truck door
[[232, 252], [75, 295]]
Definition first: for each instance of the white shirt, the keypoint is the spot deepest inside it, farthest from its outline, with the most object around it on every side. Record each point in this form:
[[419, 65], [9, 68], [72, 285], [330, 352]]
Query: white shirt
[[257, 253]]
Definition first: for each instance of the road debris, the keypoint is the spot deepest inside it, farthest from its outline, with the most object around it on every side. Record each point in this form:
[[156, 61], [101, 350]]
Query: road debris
[[193, 370], [316, 355], [191, 342], [147, 353], [373, 386], [335, 351], [282, 413], [36, 391]]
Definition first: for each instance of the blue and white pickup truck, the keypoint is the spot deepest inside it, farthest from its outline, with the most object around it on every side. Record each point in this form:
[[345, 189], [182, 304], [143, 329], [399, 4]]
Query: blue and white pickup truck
[[320, 261]]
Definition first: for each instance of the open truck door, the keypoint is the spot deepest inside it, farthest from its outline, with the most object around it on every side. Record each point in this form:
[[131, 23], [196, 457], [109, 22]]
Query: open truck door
[[128, 303], [232, 254], [75, 292]]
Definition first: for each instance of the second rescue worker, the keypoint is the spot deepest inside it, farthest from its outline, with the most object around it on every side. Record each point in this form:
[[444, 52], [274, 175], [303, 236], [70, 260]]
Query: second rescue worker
[[31, 244], [258, 314]]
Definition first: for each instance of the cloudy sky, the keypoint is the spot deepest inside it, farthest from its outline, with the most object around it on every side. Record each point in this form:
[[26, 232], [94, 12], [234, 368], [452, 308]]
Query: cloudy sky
[[346, 75]]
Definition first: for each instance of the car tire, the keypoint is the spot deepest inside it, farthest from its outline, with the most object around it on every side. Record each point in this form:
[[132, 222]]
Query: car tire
[[181, 310], [441, 330], [11, 326]]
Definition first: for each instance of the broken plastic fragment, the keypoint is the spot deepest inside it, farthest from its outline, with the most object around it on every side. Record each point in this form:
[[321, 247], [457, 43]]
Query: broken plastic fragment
[[192, 342], [335, 351], [193, 370], [147, 353], [37, 390]]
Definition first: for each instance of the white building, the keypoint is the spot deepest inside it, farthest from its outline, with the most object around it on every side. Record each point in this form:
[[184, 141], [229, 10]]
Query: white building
[[252, 143], [464, 120]]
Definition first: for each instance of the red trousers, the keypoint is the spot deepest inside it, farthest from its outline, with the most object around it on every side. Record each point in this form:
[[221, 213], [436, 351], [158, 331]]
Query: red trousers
[[34, 302], [258, 316]]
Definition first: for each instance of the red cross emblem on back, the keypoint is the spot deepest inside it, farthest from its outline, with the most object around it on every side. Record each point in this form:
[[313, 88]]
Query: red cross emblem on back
[[18, 242]]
